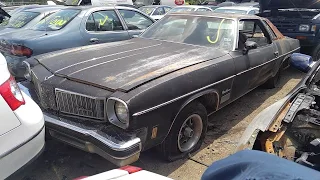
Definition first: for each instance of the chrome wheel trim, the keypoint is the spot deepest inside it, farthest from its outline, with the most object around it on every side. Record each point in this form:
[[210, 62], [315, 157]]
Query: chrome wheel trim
[[190, 132]]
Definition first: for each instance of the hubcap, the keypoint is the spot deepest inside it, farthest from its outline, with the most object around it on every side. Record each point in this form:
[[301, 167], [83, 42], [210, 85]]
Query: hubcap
[[190, 133]]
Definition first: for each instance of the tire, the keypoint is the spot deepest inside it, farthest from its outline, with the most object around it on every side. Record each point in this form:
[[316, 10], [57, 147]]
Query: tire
[[174, 146], [274, 81], [316, 53]]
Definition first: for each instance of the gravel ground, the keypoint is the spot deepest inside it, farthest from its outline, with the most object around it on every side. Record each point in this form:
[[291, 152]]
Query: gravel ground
[[63, 162]]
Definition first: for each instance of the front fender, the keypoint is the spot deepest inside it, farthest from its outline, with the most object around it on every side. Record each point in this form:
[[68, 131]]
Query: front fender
[[260, 123]]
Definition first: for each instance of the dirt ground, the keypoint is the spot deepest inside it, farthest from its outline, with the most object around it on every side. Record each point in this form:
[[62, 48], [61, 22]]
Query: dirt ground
[[63, 162]]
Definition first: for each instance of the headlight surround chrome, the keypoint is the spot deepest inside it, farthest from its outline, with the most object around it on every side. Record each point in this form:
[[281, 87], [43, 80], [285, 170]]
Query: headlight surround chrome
[[304, 27], [27, 73], [117, 112]]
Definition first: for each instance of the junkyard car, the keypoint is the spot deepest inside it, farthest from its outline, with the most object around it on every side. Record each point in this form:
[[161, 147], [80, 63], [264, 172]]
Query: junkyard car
[[26, 19], [72, 27], [155, 11], [22, 125], [290, 128], [296, 19], [118, 99]]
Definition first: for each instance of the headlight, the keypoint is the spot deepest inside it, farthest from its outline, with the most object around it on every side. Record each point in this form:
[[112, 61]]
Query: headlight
[[27, 71], [117, 112], [121, 112], [304, 27]]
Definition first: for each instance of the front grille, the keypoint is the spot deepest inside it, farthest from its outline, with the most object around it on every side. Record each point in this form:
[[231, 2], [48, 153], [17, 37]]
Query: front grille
[[80, 104], [286, 26]]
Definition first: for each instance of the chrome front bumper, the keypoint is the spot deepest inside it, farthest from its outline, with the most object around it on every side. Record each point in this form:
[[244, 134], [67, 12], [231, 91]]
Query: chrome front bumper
[[117, 147], [114, 144]]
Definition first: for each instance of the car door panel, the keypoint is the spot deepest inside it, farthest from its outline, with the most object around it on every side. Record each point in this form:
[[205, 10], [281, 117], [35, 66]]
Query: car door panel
[[262, 61]]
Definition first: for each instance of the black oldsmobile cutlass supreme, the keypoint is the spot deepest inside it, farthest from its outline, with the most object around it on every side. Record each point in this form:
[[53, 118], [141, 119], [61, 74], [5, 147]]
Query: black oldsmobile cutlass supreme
[[118, 99]]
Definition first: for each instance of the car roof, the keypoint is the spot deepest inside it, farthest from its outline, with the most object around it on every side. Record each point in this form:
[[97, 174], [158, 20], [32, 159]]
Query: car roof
[[99, 7], [218, 15], [44, 9], [245, 8]]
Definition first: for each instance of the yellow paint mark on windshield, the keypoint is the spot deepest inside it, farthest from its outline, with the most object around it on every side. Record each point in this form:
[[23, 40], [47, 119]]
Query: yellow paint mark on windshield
[[58, 22], [218, 34], [104, 21]]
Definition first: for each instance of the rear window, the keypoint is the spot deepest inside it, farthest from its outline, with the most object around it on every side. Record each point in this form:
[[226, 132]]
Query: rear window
[[56, 21], [18, 20]]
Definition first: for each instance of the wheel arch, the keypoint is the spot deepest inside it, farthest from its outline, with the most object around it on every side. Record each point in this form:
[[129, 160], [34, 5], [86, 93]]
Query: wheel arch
[[207, 98]]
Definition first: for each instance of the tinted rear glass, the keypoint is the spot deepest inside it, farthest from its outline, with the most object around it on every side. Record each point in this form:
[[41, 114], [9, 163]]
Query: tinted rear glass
[[56, 21], [18, 20]]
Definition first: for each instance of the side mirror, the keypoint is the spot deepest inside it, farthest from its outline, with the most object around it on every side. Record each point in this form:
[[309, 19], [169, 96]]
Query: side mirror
[[301, 62], [248, 45]]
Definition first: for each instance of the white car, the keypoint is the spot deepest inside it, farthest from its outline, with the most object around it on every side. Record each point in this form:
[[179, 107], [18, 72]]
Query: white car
[[156, 12], [21, 125], [188, 8], [125, 173], [237, 10]]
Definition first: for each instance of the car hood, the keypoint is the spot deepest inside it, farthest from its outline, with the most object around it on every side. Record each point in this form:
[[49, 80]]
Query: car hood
[[126, 64], [287, 4]]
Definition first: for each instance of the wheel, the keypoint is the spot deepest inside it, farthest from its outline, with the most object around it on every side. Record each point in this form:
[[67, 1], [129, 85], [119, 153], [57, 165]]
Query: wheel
[[274, 81], [316, 53], [187, 132]]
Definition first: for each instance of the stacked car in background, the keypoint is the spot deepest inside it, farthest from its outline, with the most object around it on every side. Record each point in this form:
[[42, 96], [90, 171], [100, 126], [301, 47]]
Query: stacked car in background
[[116, 80]]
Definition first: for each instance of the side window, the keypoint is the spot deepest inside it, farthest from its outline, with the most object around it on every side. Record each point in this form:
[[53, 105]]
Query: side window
[[159, 11], [253, 30], [135, 20], [273, 35], [103, 21], [167, 9]]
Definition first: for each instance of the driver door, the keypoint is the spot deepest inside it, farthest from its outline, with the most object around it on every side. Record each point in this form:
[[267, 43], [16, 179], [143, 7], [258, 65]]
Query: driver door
[[135, 21], [255, 67]]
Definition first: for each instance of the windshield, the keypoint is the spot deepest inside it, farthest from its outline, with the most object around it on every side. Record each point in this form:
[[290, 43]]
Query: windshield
[[147, 10], [204, 31], [182, 9], [233, 11], [18, 20], [57, 20]]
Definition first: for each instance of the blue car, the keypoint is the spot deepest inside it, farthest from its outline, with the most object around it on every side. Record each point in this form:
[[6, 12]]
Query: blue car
[[72, 27], [26, 18]]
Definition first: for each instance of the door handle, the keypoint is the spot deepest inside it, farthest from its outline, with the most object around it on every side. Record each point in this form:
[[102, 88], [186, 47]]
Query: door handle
[[94, 40], [276, 53]]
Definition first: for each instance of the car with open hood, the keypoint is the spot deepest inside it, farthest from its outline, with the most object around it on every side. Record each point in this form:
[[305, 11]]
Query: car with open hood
[[72, 27], [296, 19], [119, 99], [290, 128]]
